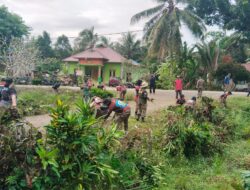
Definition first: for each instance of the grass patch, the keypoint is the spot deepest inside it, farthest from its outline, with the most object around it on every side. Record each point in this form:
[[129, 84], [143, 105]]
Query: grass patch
[[221, 171]]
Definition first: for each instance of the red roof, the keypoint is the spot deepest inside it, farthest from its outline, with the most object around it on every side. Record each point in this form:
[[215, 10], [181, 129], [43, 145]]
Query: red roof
[[70, 59], [247, 66], [98, 53]]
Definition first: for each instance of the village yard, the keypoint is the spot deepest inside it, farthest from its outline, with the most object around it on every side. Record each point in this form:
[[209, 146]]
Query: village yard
[[162, 99]]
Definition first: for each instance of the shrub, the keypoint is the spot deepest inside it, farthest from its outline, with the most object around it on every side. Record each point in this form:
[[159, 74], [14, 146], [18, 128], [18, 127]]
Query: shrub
[[76, 153], [30, 107], [101, 93], [17, 150], [239, 73], [36, 82], [201, 131]]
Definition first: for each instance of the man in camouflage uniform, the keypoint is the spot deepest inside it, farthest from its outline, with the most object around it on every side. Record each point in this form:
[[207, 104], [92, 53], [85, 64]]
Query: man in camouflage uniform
[[142, 102], [200, 87]]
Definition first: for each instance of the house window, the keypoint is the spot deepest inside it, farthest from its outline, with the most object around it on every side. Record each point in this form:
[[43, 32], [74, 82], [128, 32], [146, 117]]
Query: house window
[[112, 73]]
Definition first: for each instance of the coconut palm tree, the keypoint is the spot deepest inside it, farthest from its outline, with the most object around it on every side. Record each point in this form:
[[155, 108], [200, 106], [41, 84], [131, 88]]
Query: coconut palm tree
[[86, 39], [162, 31], [130, 47]]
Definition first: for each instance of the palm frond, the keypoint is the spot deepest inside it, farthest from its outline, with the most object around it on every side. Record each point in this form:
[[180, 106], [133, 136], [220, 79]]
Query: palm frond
[[193, 22], [165, 36], [147, 13], [150, 24]]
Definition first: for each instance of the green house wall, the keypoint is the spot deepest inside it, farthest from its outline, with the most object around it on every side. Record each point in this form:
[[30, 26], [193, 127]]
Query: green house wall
[[70, 67], [111, 66]]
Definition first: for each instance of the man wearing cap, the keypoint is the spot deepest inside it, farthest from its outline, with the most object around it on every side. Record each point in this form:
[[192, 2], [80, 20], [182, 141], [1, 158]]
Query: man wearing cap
[[142, 102], [122, 111], [8, 95]]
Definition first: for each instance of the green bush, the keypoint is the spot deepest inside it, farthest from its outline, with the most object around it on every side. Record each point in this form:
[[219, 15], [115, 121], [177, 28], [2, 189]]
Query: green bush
[[239, 73], [201, 131], [30, 107], [101, 93], [18, 157], [36, 82]]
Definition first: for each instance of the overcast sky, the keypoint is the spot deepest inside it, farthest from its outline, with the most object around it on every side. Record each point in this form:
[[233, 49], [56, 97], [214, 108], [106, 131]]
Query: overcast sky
[[69, 17]]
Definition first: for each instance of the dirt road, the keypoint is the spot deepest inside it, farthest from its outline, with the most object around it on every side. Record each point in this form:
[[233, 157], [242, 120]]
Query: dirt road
[[163, 98]]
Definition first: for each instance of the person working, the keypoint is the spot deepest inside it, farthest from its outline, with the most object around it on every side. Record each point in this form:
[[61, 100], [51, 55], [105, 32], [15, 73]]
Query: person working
[[121, 109], [181, 101], [223, 98], [142, 102]]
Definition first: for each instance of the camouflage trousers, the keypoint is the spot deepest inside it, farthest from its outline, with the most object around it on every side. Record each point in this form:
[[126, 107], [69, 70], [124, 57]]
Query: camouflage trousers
[[200, 90], [122, 118], [142, 110]]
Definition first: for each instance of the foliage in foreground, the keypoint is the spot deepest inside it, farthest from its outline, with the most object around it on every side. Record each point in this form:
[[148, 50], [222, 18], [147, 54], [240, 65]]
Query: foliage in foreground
[[101, 93], [209, 151], [199, 131], [77, 153]]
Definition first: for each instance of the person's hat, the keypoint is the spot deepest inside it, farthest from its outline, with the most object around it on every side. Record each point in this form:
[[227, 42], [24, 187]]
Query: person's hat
[[193, 98], [98, 100], [144, 84], [178, 76]]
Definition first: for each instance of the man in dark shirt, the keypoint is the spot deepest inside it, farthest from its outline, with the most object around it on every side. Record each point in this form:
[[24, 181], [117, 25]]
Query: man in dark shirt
[[8, 95], [121, 109], [152, 84]]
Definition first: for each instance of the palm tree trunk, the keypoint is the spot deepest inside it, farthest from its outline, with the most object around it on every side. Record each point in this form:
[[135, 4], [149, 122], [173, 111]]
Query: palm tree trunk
[[171, 5], [216, 58]]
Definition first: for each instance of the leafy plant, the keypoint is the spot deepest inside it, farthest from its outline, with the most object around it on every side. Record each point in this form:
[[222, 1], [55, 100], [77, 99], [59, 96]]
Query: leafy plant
[[77, 152], [101, 93], [246, 179], [18, 158], [196, 132]]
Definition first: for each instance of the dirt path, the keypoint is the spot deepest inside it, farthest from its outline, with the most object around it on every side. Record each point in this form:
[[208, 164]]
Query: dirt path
[[163, 98]]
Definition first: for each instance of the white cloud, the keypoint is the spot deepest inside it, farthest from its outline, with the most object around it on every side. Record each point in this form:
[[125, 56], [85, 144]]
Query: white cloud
[[69, 17]]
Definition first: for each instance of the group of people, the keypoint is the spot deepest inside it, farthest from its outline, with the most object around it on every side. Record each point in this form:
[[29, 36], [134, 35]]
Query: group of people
[[228, 86], [122, 110]]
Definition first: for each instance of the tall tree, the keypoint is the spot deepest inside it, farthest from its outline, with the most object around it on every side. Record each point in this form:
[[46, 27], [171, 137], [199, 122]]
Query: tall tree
[[20, 58], [62, 47], [210, 50], [162, 31], [43, 44], [230, 14], [86, 39], [11, 26], [105, 41], [130, 47]]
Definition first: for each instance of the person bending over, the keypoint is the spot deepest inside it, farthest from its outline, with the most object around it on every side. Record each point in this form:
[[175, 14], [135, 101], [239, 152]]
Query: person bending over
[[121, 109]]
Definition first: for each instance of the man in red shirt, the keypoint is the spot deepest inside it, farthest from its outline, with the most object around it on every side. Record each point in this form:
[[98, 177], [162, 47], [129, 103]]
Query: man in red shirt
[[121, 109], [178, 87]]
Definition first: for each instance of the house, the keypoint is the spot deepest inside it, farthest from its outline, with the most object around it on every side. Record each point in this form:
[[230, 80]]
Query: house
[[99, 63]]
